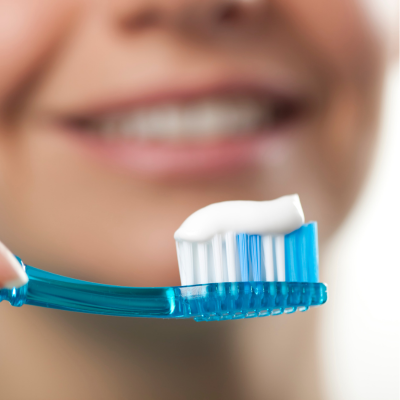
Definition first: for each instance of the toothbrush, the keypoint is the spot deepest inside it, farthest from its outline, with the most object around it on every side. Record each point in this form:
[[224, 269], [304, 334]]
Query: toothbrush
[[237, 259]]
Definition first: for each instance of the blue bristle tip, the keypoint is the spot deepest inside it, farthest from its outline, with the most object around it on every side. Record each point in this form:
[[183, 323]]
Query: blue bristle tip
[[301, 254], [255, 256], [242, 244]]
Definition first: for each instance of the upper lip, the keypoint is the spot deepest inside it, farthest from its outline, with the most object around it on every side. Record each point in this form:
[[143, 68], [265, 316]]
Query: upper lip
[[176, 93]]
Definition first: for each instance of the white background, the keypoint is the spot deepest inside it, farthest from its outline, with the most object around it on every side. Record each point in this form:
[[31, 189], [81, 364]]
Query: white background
[[361, 328]]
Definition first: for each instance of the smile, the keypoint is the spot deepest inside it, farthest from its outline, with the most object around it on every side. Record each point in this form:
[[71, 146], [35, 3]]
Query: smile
[[195, 133], [197, 121]]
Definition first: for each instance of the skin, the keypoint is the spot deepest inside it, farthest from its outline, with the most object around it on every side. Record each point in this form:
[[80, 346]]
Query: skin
[[71, 214]]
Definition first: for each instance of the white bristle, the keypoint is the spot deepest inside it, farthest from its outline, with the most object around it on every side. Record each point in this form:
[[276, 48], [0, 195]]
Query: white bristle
[[231, 258], [236, 241], [188, 262], [203, 265], [280, 257], [268, 250], [217, 258], [181, 263]]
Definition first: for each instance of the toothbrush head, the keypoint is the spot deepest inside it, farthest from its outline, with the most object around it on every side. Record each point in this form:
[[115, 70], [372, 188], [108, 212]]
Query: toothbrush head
[[269, 269]]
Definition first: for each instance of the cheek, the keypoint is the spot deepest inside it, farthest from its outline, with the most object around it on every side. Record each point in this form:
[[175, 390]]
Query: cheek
[[343, 147], [62, 214], [339, 32]]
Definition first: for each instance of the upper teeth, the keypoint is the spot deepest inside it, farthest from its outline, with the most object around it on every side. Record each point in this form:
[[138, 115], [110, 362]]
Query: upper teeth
[[207, 118]]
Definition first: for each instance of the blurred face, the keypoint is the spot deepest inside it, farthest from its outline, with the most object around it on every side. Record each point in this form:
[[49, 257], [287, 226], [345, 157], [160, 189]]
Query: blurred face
[[140, 112]]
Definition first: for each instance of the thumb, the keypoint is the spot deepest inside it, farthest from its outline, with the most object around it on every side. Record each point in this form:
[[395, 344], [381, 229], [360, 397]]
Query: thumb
[[11, 273]]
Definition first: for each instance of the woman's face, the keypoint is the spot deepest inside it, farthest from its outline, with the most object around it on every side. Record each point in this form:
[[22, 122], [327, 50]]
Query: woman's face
[[142, 112]]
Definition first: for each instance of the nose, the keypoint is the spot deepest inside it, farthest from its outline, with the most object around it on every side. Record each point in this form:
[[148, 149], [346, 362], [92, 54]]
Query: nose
[[188, 15]]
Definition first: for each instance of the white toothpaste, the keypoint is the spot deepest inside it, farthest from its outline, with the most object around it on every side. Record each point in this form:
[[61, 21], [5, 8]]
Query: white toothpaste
[[275, 217]]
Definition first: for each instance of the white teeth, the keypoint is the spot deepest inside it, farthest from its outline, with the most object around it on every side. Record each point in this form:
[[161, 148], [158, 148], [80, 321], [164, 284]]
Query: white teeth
[[212, 118], [168, 121]]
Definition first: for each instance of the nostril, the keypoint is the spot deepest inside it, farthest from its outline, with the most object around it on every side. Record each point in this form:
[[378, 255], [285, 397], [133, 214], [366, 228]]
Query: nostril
[[229, 12], [143, 20], [193, 14]]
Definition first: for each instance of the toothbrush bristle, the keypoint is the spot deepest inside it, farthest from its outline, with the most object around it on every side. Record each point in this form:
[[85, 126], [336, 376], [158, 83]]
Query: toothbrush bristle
[[242, 257]]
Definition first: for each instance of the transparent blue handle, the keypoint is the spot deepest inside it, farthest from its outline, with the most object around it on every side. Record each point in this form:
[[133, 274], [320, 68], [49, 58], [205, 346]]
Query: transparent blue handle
[[214, 301]]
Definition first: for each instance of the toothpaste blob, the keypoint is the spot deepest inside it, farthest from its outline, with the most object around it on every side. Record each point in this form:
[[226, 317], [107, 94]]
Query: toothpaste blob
[[275, 217]]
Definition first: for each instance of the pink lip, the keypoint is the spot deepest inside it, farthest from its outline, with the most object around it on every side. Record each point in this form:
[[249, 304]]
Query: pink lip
[[169, 161]]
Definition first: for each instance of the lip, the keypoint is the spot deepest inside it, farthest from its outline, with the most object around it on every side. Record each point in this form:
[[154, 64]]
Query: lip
[[181, 92], [169, 161], [163, 160]]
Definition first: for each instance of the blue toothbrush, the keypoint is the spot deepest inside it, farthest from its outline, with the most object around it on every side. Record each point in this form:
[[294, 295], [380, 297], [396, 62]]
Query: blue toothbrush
[[203, 302], [225, 274]]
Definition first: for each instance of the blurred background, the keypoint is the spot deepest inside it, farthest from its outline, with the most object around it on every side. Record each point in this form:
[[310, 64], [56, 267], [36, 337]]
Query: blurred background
[[360, 331], [118, 119]]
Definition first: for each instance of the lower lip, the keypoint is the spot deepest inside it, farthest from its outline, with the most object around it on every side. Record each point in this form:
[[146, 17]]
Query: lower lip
[[177, 160]]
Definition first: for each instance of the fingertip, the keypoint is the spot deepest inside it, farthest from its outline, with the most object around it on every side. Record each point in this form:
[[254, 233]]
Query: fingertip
[[11, 273]]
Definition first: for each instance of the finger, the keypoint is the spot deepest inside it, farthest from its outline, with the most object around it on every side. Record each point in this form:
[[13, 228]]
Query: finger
[[11, 272]]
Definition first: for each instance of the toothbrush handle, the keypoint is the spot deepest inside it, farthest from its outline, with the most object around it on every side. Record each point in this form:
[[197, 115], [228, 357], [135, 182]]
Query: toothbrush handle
[[45, 289], [208, 302]]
